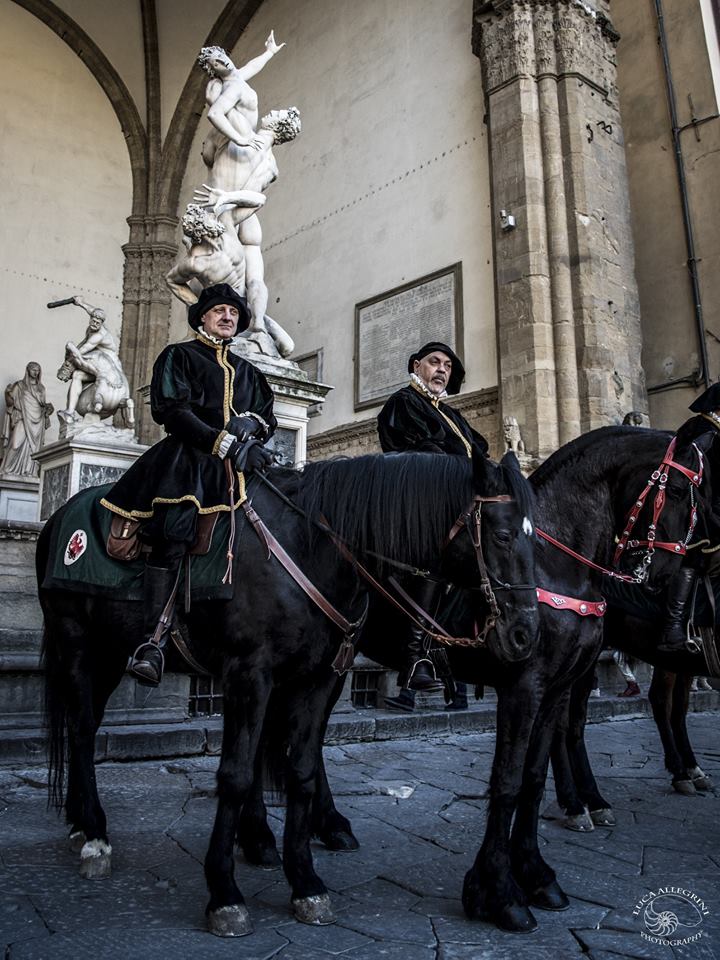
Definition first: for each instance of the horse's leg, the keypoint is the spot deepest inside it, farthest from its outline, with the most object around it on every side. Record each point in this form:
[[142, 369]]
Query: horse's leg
[[329, 825], [104, 679], [660, 696], [307, 714], [246, 693], [678, 718], [490, 891], [84, 810], [254, 835], [566, 788], [588, 791], [533, 874]]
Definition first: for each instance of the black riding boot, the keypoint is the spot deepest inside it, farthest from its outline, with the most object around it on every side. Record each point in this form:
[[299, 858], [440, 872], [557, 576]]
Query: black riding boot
[[148, 660], [420, 669], [674, 636]]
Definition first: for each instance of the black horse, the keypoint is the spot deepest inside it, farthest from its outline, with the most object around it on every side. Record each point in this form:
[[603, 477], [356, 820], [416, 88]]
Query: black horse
[[274, 648], [577, 791], [582, 495]]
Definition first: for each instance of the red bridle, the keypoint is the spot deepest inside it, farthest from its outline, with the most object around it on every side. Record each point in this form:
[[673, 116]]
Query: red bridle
[[660, 477]]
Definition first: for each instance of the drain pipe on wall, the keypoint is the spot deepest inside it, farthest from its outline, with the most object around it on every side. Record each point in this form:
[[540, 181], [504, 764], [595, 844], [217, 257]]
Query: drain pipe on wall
[[703, 374]]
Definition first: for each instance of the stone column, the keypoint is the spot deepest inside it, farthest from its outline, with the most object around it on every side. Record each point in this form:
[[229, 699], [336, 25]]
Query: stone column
[[149, 254], [568, 323]]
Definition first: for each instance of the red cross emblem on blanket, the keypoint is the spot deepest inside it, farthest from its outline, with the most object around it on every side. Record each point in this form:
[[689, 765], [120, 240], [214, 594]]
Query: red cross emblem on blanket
[[76, 547]]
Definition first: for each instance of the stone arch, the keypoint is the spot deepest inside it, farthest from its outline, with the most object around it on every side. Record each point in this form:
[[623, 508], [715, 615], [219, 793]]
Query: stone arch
[[110, 81]]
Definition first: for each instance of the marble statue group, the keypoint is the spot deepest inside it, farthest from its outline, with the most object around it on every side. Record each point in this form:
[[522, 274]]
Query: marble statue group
[[222, 236]]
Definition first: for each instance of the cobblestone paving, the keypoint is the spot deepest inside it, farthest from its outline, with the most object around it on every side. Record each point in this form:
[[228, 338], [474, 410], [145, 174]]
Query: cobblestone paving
[[397, 898]]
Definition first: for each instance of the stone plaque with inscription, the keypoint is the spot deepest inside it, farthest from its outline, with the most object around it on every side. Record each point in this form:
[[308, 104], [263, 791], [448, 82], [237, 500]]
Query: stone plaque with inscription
[[389, 327]]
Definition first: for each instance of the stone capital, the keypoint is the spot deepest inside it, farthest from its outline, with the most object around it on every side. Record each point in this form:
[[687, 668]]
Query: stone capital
[[536, 38]]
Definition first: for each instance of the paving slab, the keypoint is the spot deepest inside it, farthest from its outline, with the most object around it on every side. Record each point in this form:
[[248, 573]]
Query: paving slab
[[418, 808]]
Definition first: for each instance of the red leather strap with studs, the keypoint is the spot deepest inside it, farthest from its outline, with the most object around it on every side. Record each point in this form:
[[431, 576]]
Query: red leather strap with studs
[[585, 608]]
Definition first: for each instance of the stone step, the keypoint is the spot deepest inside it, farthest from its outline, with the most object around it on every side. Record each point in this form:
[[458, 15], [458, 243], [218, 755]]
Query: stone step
[[202, 735], [22, 694], [19, 640], [20, 611]]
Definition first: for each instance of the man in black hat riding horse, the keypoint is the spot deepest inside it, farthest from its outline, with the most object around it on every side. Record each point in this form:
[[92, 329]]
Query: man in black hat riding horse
[[415, 419], [704, 430], [216, 408]]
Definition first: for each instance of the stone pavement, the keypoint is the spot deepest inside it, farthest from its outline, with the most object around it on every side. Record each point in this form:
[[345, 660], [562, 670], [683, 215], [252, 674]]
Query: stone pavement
[[418, 809]]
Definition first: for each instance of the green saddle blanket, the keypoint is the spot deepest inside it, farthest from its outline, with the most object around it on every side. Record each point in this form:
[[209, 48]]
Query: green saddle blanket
[[79, 561]]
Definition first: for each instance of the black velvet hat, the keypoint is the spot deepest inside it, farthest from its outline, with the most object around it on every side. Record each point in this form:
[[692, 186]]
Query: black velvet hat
[[457, 374], [212, 297], [708, 401]]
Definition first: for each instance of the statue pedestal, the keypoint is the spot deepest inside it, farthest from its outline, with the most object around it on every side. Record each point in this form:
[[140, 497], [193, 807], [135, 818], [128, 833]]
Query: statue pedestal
[[90, 454], [19, 498], [294, 393]]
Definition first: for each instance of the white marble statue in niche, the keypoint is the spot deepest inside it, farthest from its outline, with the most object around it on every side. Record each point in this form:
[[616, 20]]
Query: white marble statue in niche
[[27, 417], [241, 165], [98, 384]]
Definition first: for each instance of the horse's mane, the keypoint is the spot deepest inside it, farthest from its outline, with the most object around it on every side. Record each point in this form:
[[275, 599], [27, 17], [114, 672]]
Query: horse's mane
[[592, 444], [398, 505]]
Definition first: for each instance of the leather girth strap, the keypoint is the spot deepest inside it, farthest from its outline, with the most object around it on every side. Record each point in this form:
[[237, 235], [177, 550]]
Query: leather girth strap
[[346, 655]]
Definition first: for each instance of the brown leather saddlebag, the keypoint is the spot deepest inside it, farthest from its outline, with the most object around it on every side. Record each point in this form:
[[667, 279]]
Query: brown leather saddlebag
[[123, 542]]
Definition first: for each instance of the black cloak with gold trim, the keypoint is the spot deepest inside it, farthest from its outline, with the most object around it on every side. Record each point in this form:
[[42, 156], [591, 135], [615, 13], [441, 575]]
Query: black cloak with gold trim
[[196, 387], [411, 421]]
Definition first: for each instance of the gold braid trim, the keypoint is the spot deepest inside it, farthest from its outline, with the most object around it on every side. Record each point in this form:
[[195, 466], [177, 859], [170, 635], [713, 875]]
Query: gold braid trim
[[188, 498], [229, 382], [711, 420], [435, 401]]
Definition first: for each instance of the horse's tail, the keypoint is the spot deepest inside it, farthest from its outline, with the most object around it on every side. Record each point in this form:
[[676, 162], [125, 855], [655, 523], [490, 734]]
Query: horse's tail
[[55, 719], [55, 710], [274, 748]]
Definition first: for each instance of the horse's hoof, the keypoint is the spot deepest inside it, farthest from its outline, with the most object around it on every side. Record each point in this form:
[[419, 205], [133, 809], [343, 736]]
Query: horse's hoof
[[700, 780], [232, 921], [603, 817], [95, 862], [685, 787], [77, 840], [549, 897], [515, 919], [341, 840], [316, 910], [580, 823]]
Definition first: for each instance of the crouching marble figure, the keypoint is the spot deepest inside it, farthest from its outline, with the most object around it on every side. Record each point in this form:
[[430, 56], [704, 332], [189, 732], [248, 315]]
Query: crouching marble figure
[[221, 230], [98, 384]]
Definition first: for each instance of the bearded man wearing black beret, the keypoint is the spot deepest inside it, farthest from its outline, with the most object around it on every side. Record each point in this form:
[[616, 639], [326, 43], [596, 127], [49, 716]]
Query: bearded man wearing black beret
[[415, 419], [215, 407]]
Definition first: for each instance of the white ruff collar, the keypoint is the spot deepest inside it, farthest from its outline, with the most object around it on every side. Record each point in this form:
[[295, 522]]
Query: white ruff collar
[[423, 388], [202, 333]]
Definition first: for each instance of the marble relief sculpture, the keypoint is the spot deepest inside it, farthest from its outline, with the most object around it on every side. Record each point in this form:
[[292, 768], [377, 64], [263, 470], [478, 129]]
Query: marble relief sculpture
[[222, 233], [27, 417], [98, 384]]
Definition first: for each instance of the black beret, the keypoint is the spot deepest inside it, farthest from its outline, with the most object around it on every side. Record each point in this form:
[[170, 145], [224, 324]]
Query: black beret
[[708, 401], [457, 374], [212, 297]]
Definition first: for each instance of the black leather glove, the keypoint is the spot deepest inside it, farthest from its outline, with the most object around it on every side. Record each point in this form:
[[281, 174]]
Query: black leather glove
[[249, 456], [244, 427]]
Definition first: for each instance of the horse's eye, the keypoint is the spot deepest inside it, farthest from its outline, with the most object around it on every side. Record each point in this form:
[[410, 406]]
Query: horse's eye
[[502, 536]]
